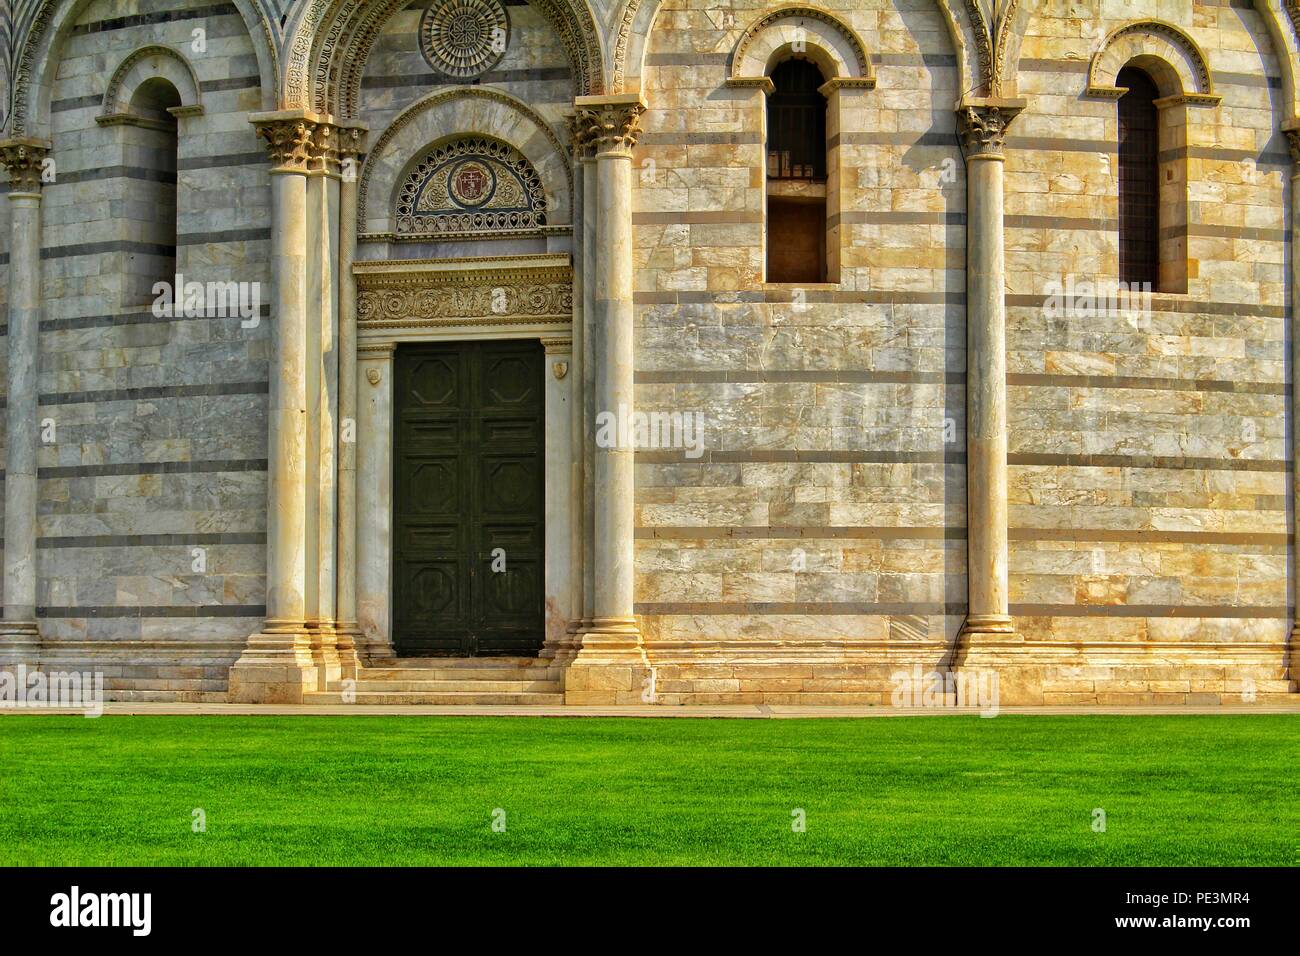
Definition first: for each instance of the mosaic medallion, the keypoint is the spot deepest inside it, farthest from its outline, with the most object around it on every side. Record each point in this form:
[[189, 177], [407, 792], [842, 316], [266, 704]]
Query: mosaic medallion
[[464, 38]]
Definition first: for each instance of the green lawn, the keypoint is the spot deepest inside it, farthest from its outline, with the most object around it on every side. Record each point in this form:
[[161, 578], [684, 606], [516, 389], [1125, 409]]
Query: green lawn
[[1195, 790]]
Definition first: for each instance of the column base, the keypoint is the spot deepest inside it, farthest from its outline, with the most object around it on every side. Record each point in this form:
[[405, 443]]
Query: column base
[[277, 666], [348, 641], [989, 662], [325, 653], [20, 643], [611, 666]]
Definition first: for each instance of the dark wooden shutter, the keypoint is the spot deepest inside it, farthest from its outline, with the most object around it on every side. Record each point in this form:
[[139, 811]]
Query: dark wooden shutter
[[796, 123], [1139, 179]]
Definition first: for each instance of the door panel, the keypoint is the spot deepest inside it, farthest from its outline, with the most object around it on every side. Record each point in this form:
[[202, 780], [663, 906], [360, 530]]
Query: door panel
[[468, 514]]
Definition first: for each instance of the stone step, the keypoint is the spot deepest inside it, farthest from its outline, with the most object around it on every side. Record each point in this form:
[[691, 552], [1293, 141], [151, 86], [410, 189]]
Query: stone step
[[453, 685], [432, 699], [370, 674], [442, 663]]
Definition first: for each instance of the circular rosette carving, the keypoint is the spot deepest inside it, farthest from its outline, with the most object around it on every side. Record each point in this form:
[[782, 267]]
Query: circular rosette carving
[[464, 38]]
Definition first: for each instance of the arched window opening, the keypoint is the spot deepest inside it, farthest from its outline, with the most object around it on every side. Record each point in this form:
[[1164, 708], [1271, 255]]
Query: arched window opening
[[1139, 179], [151, 147], [796, 174], [1152, 180]]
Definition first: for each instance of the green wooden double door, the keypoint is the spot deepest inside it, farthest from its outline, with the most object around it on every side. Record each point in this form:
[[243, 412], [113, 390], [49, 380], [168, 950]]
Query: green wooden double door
[[469, 495]]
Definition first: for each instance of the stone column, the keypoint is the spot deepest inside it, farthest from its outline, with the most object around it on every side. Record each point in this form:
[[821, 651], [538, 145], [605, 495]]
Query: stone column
[[351, 142], [590, 243], [375, 507], [565, 648], [612, 666], [1291, 128], [277, 665], [323, 399], [19, 638], [982, 125]]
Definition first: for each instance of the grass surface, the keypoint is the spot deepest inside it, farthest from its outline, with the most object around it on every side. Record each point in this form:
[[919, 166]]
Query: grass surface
[[1194, 790]]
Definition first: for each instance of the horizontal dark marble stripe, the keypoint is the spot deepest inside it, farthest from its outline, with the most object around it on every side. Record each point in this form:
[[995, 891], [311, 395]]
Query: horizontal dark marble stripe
[[222, 161], [888, 217], [434, 81], [151, 540], [697, 217], [147, 19], [94, 101], [1164, 302], [693, 138], [148, 393], [208, 466], [799, 607], [674, 456], [780, 376], [134, 318], [1151, 536], [1153, 384], [1096, 224], [180, 611], [118, 172], [230, 83], [888, 138], [1216, 153], [1149, 610], [811, 293], [105, 248], [743, 532], [1147, 461], [229, 235]]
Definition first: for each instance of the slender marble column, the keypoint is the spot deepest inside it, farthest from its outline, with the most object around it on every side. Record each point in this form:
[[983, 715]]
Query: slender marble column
[[579, 131], [1292, 130], [614, 637], [351, 141], [590, 243], [277, 665], [19, 637], [323, 399], [982, 125]]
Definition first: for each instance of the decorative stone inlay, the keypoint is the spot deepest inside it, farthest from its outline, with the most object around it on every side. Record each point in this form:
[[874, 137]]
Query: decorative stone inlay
[[414, 294], [25, 162], [472, 185], [983, 128], [464, 38]]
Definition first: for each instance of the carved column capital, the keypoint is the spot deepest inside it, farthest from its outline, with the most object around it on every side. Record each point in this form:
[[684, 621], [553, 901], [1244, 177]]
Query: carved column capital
[[982, 125], [1291, 130], [351, 141], [582, 133], [24, 160], [612, 123], [292, 138]]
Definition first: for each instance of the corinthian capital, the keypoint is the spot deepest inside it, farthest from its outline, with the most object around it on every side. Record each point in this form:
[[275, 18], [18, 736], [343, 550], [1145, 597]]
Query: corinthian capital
[[293, 138], [24, 159], [982, 124], [1291, 130], [612, 123]]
